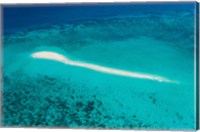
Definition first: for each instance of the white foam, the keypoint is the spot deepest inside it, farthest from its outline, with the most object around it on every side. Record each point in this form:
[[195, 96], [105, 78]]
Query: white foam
[[59, 57]]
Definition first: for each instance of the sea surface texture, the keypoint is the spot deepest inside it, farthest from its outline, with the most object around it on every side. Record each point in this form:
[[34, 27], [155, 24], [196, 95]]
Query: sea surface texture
[[107, 66]]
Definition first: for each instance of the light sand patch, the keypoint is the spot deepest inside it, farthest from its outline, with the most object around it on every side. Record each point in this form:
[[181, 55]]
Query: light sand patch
[[60, 58]]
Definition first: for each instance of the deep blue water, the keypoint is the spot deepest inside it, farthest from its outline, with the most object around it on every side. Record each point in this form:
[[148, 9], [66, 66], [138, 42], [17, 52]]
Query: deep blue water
[[17, 17]]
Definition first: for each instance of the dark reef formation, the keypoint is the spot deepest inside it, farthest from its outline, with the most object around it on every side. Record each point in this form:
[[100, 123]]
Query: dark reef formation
[[49, 102], [45, 101]]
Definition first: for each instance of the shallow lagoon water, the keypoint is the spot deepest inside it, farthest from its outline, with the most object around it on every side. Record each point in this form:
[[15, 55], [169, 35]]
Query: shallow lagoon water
[[46, 93]]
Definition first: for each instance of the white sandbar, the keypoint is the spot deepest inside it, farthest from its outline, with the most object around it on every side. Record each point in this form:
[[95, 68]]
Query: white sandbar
[[59, 57]]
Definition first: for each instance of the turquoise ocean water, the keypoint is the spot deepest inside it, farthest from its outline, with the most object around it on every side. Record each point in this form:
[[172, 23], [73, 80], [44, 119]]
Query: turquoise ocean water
[[47, 93]]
